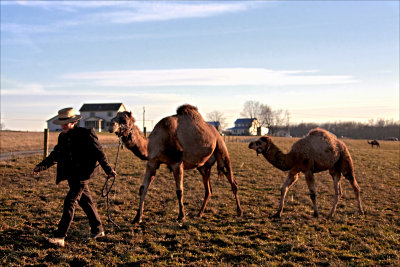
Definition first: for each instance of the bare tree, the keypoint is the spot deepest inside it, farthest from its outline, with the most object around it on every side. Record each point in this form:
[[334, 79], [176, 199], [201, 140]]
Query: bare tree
[[251, 109], [281, 119], [269, 118], [266, 116], [216, 116]]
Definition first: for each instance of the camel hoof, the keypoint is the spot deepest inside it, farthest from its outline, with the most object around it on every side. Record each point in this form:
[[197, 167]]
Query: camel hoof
[[240, 213], [276, 215], [316, 214], [181, 218], [137, 219]]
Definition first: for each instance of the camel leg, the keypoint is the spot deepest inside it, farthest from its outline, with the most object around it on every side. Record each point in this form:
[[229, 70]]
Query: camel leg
[[224, 167], [205, 172], [313, 193], [290, 180], [148, 178], [177, 169], [338, 190], [235, 187], [356, 189]]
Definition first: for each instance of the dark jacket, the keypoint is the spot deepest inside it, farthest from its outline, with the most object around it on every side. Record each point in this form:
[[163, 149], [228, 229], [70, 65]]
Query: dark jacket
[[76, 154]]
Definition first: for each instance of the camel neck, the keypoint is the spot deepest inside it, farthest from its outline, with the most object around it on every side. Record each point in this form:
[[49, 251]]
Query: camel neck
[[136, 143], [277, 158]]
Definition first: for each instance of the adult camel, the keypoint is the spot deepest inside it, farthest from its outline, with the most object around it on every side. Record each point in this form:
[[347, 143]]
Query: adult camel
[[182, 141]]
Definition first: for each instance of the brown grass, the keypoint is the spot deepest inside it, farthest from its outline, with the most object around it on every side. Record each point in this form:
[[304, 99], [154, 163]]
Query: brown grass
[[31, 207], [11, 141]]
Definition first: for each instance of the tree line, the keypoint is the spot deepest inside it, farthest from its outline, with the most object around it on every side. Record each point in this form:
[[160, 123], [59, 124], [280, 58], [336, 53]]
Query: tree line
[[278, 122], [381, 130]]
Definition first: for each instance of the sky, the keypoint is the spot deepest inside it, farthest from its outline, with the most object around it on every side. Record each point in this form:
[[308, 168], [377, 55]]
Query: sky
[[323, 61]]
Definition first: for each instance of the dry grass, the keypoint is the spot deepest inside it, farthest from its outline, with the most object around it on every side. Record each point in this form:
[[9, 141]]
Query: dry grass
[[11, 141], [30, 209]]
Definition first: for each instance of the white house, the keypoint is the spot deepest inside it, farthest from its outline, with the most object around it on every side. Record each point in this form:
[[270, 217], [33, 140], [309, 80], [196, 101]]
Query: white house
[[53, 127], [97, 116], [248, 127]]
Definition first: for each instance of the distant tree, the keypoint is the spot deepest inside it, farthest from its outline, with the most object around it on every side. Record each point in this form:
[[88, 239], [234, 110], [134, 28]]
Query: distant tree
[[266, 116], [217, 116], [251, 109], [269, 118], [379, 129]]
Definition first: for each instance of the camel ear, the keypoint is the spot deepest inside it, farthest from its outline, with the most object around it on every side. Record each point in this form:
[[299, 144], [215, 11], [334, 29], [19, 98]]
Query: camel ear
[[131, 117], [265, 139]]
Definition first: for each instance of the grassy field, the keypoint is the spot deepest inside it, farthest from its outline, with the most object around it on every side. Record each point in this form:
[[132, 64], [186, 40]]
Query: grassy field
[[11, 141], [30, 208]]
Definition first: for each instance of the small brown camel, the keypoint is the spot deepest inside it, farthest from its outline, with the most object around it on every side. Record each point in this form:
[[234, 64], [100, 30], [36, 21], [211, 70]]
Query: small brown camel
[[374, 143], [182, 141], [318, 151]]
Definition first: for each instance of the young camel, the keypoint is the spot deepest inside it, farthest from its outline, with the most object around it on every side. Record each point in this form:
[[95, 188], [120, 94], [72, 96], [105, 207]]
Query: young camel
[[318, 151], [182, 141]]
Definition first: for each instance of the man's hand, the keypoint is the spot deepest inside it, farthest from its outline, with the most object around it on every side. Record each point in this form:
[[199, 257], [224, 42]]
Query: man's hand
[[112, 174], [36, 171]]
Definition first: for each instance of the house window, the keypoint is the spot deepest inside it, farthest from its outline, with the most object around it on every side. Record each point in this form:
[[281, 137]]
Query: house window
[[92, 113], [109, 114]]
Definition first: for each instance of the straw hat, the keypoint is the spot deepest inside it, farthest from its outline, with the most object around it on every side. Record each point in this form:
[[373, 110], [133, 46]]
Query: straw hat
[[66, 115]]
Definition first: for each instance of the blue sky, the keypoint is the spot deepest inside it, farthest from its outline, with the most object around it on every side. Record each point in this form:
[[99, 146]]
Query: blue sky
[[321, 60]]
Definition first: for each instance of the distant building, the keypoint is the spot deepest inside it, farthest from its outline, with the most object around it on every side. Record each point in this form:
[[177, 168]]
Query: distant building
[[97, 116], [283, 133], [248, 127], [53, 127], [216, 124]]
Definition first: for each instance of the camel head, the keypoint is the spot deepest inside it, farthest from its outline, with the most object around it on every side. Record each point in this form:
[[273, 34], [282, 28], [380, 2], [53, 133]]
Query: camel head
[[261, 145], [122, 124]]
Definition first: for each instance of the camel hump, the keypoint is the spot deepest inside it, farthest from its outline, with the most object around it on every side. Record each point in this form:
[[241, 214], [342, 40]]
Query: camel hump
[[321, 132], [187, 110]]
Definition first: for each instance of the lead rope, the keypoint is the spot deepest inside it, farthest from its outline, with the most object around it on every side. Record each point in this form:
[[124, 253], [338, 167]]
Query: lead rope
[[106, 190]]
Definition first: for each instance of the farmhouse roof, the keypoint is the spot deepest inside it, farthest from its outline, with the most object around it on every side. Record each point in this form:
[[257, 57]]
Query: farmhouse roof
[[53, 118], [244, 121], [239, 128], [214, 123], [101, 107]]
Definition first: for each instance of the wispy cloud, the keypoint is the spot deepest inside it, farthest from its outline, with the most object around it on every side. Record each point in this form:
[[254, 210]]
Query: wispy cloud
[[118, 12], [208, 77], [160, 11]]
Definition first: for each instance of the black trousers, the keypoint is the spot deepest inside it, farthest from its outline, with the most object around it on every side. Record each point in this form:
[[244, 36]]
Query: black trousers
[[78, 194]]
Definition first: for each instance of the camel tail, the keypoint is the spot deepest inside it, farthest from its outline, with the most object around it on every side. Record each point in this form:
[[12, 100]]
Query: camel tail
[[347, 165]]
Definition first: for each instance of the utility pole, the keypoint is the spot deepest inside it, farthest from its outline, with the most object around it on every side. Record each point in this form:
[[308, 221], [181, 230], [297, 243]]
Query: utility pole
[[144, 120]]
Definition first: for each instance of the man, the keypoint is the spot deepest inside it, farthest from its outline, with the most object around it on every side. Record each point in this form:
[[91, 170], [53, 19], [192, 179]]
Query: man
[[76, 154]]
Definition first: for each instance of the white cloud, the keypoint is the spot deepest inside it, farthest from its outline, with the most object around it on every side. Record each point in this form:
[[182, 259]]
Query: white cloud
[[208, 77], [15, 88], [160, 11], [119, 12]]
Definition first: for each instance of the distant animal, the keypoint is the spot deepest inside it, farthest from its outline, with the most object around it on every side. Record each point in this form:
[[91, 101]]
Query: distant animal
[[320, 150], [182, 141], [374, 143]]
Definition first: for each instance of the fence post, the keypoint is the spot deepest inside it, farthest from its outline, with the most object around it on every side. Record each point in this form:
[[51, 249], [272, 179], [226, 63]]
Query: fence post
[[144, 131], [46, 143]]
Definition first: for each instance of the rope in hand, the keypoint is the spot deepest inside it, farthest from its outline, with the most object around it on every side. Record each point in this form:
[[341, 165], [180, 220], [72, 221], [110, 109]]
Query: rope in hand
[[107, 189]]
